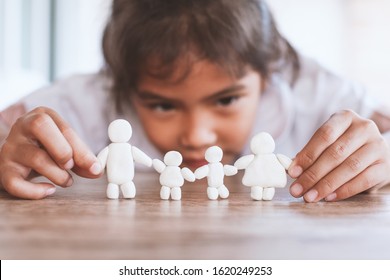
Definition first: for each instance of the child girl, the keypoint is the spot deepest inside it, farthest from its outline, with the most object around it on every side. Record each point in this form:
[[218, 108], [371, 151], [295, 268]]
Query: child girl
[[193, 74]]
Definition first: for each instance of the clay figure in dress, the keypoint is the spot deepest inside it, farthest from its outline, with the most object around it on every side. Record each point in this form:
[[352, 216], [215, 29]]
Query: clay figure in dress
[[118, 158], [264, 170]]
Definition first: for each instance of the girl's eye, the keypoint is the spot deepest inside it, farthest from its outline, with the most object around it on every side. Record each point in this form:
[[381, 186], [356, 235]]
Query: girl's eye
[[162, 107], [226, 101]]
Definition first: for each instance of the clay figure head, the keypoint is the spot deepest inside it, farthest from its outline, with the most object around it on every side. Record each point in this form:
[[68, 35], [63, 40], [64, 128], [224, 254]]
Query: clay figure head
[[120, 131], [173, 158], [214, 154], [262, 143]]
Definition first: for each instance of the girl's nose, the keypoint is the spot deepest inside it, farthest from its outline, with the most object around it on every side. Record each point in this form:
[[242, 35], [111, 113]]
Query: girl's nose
[[198, 131]]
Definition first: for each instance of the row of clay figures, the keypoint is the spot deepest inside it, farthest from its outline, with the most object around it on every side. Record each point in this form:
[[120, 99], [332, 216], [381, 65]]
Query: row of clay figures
[[264, 171]]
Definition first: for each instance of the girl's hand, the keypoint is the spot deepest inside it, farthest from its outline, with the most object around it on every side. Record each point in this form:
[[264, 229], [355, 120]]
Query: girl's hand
[[42, 142], [346, 156]]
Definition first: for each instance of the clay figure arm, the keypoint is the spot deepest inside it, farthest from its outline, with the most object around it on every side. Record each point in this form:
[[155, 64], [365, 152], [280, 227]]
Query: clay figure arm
[[102, 157], [230, 170], [202, 172], [284, 160], [244, 161], [158, 165], [188, 174], [140, 157]]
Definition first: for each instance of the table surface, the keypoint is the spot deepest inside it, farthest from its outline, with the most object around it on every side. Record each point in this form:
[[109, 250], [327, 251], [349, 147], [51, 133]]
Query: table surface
[[81, 223]]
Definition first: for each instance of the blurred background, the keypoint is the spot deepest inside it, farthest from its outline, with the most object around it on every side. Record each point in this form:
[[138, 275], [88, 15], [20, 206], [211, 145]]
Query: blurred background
[[45, 40]]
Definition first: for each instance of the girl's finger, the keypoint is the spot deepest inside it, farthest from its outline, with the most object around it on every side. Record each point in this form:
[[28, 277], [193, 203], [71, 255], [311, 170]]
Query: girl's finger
[[324, 137], [346, 171], [85, 162], [371, 177], [41, 127], [332, 157], [62, 143], [37, 159], [16, 185]]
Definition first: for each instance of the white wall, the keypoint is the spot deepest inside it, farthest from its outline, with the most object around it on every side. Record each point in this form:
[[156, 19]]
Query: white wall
[[79, 27], [24, 47], [33, 52], [351, 37], [315, 28]]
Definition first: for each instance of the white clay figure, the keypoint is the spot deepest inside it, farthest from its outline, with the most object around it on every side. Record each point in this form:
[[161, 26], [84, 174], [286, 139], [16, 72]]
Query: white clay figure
[[264, 171], [172, 177], [119, 157], [215, 173]]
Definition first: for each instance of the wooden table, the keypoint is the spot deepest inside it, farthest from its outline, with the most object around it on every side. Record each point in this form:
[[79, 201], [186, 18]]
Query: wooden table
[[81, 223]]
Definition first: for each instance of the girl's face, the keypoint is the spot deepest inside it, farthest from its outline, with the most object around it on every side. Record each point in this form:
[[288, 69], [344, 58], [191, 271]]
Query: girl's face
[[208, 107]]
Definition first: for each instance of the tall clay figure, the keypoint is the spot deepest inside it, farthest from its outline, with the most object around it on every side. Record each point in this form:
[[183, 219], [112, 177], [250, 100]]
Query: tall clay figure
[[119, 157], [264, 171]]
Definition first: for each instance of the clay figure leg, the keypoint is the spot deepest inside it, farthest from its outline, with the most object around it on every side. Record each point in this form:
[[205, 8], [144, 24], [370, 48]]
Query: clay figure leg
[[257, 193], [165, 192], [112, 191], [128, 190], [176, 193], [223, 191], [268, 193], [212, 193]]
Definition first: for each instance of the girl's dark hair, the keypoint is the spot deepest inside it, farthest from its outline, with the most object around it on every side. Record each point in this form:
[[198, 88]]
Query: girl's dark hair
[[234, 34]]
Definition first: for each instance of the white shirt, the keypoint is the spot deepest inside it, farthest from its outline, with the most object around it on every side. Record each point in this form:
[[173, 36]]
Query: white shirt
[[290, 114]]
